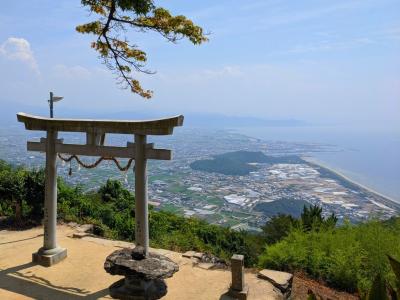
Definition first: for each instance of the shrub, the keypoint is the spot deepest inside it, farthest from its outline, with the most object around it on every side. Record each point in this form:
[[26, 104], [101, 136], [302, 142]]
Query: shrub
[[278, 227], [348, 257]]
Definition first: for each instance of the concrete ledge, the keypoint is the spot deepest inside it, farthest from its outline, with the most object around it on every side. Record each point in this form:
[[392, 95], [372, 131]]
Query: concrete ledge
[[47, 260]]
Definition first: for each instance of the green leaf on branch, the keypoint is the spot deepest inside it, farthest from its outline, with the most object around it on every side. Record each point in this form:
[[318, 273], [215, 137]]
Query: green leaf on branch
[[117, 53]]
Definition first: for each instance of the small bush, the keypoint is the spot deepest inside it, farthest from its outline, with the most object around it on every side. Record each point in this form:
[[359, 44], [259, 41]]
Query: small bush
[[348, 257]]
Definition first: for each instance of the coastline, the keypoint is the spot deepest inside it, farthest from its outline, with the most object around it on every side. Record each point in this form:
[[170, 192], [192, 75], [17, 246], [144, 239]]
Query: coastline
[[386, 199], [368, 158]]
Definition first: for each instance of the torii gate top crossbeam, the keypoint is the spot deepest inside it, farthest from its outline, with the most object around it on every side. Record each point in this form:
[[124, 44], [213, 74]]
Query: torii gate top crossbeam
[[147, 127]]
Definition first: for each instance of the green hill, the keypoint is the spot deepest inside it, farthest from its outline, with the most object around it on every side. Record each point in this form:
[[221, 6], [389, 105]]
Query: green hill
[[283, 206], [237, 163]]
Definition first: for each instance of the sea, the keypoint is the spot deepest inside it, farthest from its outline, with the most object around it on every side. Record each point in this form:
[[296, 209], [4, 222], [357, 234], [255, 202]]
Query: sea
[[369, 157]]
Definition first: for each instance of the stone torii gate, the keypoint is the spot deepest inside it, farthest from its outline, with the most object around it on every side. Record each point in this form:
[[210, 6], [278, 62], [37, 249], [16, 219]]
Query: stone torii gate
[[95, 130]]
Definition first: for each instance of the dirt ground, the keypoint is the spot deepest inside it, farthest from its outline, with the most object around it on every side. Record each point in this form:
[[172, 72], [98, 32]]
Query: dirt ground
[[81, 274], [303, 286]]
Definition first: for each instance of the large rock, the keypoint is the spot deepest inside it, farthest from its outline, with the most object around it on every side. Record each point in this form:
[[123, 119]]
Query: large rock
[[154, 266], [144, 274], [281, 280]]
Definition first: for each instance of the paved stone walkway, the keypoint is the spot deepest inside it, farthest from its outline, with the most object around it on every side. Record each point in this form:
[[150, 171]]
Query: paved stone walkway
[[81, 275]]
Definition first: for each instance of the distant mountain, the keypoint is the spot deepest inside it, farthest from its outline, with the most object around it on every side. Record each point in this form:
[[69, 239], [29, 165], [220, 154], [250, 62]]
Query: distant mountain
[[219, 120], [9, 109], [208, 120], [238, 162]]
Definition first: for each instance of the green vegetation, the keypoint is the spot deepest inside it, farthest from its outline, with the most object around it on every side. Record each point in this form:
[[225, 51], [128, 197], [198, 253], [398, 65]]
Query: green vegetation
[[259, 157], [292, 207], [21, 193], [116, 17], [237, 163], [223, 165], [278, 227], [349, 257]]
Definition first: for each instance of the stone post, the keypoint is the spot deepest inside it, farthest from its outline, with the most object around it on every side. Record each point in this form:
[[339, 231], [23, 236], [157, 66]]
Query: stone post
[[238, 289], [50, 253], [141, 206], [50, 202]]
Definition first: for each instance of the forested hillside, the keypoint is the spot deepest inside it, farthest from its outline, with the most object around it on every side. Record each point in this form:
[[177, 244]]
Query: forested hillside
[[240, 162], [347, 257]]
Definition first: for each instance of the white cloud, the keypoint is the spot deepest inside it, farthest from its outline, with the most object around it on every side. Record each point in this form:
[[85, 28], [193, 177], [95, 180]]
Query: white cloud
[[73, 72], [227, 71], [332, 45], [19, 49], [392, 33]]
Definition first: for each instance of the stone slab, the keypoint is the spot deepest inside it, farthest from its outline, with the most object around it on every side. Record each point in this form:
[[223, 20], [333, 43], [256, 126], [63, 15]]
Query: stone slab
[[281, 280], [198, 255], [154, 266], [49, 260], [205, 266], [79, 235], [188, 254]]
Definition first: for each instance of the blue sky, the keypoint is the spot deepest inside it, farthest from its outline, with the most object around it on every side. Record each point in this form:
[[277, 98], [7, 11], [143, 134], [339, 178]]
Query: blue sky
[[335, 62]]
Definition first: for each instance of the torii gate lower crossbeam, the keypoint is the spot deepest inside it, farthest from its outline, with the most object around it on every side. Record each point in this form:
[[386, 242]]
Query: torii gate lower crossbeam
[[51, 253]]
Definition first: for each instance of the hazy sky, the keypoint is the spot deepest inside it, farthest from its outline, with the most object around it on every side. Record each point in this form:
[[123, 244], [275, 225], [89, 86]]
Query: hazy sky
[[319, 61]]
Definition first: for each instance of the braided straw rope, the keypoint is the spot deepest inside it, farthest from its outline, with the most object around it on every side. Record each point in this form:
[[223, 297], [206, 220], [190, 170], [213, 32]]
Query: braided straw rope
[[97, 162]]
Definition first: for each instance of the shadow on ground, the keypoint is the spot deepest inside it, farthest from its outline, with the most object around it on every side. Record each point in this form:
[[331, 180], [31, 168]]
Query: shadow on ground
[[31, 238], [13, 280], [226, 296]]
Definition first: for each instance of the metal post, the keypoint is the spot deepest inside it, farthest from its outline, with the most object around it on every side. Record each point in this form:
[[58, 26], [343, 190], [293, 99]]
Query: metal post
[[51, 105], [141, 207]]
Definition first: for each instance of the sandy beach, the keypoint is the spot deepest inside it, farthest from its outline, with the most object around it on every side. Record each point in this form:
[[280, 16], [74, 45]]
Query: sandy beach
[[386, 199]]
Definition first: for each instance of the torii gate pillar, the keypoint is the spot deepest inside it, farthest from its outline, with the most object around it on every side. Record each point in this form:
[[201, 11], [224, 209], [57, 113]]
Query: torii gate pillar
[[141, 201], [50, 253]]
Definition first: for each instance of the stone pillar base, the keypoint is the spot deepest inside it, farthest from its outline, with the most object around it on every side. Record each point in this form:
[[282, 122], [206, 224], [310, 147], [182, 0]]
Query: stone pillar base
[[144, 275], [240, 295], [135, 289], [50, 257]]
